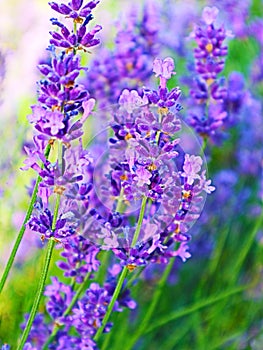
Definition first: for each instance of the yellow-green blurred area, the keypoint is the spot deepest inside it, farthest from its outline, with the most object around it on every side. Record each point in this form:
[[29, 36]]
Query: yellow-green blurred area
[[216, 302]]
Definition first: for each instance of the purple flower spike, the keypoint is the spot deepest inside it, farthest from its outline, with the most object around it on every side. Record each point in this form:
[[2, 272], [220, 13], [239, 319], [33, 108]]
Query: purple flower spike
[[210, 104], [129, 65]]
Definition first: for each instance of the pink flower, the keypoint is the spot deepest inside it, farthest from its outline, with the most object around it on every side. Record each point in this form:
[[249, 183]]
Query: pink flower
[[192, 166], [164, 68]]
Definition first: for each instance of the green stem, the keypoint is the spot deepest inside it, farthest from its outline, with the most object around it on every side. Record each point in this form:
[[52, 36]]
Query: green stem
[[123, 274], [112, 302], [202, 151], [120, 205], [152, 307], [139, 224], [42, 280], [104, 262], [22, 229], [67, 311], [38, 296], [55, 216]]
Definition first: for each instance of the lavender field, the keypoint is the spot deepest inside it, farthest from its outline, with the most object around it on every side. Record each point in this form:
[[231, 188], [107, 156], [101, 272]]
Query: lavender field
[[131, 187]]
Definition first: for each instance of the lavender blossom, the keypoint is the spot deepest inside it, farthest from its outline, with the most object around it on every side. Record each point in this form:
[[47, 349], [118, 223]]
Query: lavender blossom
[[42, 222], [60, 296], [236, 14], [164, 98], [145, 161], [209, 106], [5, 347], [61, 98], [79, 39], [40, 331], [81, 258], [87, 314], [129, 65]]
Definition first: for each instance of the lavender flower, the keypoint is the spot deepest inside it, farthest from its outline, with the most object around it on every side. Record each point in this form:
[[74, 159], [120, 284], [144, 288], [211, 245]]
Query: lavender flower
[[5, 347], [42, 222], [164, 98], [236, 14], [78, 39], [174, 37], [81, 258], [87, 314], [40, 331], [60, 99], [129, 65], [147, 175], [75, 9], [209, 93], [60, 296], [143, 164]]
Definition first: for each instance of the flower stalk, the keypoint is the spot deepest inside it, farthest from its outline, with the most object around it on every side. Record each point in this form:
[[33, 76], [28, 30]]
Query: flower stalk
[[123, 273], [22, 229], [42, 281], [39, 294]]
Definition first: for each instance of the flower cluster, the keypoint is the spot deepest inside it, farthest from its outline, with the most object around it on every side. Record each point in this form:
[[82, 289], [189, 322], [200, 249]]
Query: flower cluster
[[57, 122], [209, 92], [146, 163], [60, 97], [85, 318], [78, 39]]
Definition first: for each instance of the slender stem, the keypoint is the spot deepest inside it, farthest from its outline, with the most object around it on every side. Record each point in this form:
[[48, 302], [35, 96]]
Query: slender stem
[[104, 262], [20, 236], [152, 307], [205, 140], [67, 311], [120, 205], [139, 224], [112, 302], [123, 274], [42, 280], [55, 216], [22, 229], [38, 296]]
